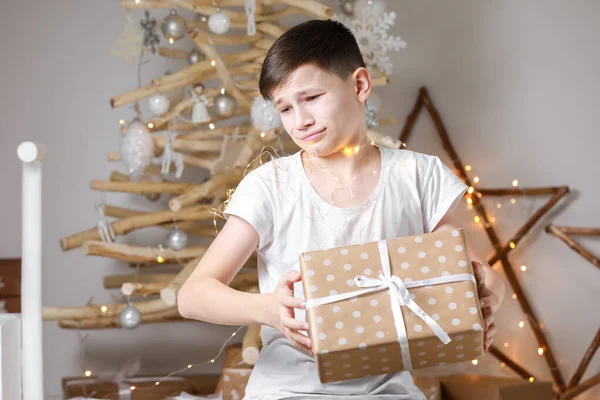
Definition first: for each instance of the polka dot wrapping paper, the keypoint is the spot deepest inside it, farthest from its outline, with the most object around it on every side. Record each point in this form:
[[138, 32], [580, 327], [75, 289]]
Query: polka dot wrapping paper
[[357, 337], [234, 382]]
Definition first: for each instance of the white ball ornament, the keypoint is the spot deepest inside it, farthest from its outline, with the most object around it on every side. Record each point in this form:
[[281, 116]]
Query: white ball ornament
[[158, 104], [219, 22], [137, 149], [264, 114]]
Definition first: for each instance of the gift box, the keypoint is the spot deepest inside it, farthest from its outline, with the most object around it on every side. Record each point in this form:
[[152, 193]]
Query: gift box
[[145, 387], [477, 387], [232, 360], [234, 382], [388, 306]]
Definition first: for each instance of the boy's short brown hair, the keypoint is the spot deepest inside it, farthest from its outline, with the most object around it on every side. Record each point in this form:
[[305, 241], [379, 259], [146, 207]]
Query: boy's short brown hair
[[327, 44]]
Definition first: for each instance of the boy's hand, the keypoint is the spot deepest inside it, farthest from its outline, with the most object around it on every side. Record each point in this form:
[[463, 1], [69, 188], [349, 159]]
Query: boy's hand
[[489, 302], [281, 311]]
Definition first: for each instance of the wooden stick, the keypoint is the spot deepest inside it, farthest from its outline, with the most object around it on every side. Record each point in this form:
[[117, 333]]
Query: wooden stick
[[116, 281], [169, 293], [96, 311], [169, 315], [251, 345], [313, 8], [522, 372], [214, 146], [129, 224], [124, 252], [142, 187], [207, 134], [578, 248], [517, 191], [563, 191], [141, 289], [577, 390], [569, 230], [204, 190], [270, 28], [585, 361], [173, 53]]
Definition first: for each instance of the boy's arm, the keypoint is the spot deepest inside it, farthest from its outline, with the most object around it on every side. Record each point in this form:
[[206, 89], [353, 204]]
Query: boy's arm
[[490, 286], [206, 294]]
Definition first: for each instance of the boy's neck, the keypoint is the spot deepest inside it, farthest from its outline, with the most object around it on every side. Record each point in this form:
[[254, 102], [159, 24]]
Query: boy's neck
[[348, 162]]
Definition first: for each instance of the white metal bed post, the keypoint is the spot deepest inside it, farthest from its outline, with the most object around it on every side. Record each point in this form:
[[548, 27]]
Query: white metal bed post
[[32, 155]]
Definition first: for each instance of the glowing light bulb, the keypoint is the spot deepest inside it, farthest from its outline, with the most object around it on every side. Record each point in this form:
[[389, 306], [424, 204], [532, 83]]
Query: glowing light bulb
[[521, 324], [493, 219], [475, 362], [190, 366], [471, 190], [212, 361], [131, 387], [479, 195], [262, 134], [150, 125], [137, 1], [498, 205], [540, 351], [513, 201], [514, 296], [531, 379], [356, 149], [104, 309], [476, 179], [523, 268], [477, 219], [122, 121], [211, 125], [467, 168], [157, 383], [505, 344], [88, 373], [503, 365], [171, 40], [515, 183], [469, 200], [347, 151], [213, 63], [512, 245], [160, 260]]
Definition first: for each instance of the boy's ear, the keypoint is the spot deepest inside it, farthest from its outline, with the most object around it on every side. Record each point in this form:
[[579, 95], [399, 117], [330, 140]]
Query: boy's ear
[[362, 81]]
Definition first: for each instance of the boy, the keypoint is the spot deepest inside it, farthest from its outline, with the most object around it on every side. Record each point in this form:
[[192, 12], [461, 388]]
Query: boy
[[338, 190]]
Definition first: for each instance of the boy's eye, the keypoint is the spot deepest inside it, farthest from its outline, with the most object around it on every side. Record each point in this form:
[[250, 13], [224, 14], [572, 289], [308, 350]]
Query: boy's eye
[[311, 98], [284, 110]]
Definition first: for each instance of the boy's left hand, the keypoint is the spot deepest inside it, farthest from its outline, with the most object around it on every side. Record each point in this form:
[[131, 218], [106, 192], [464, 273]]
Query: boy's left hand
[[489, 303]]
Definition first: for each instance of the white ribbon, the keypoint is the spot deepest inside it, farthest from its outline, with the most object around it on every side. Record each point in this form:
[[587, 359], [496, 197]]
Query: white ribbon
[[400, 296]]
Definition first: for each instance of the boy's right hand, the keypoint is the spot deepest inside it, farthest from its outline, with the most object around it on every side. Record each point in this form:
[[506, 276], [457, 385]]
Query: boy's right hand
[[281, 315]]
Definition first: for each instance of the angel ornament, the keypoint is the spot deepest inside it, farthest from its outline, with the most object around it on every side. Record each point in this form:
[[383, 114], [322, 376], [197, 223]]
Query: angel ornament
[[200, 110]]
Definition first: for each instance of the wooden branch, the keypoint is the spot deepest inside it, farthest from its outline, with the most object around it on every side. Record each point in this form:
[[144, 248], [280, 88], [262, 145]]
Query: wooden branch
[[560, 233], [169, 315], [95, 311], [560, 193], [124, 252], [569, 230], [270, 28], [215, 145], [251, 345], [518, 191], [173, 53], [522, 372], [211, 133], [585, 361], [169, 293], [116, 281], [264, 44], [141, 187], [313, 8], [141, 289], [125, 225], [577, 390], [204, 190]]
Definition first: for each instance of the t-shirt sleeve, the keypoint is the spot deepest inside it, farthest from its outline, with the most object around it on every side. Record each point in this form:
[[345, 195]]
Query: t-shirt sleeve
[[441, 192], [251, 202]]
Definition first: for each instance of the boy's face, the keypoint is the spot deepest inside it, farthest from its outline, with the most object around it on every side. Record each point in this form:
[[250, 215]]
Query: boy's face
[[321, 112]]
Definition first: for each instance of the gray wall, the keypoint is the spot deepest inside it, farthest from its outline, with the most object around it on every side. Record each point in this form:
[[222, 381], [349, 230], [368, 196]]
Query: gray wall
[[515, 82]]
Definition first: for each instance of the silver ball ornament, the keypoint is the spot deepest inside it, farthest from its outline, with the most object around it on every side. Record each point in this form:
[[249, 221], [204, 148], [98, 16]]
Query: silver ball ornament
[[174, 26], [347, 7], [225, 105], [130, 317], [264, 115], [177, 239], [219, 22], [158, 104], [194, 57], [137, 149]]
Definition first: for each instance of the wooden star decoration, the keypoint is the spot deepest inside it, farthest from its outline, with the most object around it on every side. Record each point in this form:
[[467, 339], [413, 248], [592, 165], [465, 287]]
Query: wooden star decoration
[[565, 234], [502, 251]]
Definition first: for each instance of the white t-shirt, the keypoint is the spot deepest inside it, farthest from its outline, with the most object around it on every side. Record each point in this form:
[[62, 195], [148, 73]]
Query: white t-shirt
[[412, 195]]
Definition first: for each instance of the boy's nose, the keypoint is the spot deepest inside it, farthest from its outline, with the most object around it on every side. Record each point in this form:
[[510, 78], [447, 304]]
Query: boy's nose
[[304, 120]]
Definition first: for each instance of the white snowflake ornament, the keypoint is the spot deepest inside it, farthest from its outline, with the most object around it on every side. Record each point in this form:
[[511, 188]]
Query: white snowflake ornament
[[371, 32]]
